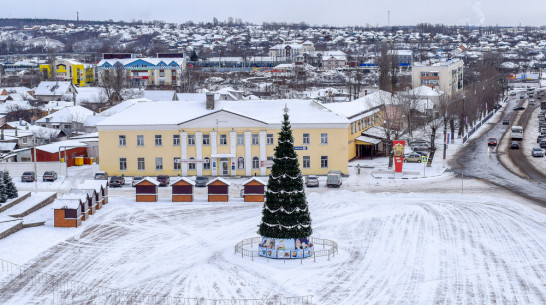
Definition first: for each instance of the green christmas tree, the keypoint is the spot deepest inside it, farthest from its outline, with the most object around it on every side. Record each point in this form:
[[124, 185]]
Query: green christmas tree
[[11, 190], [285, 213]]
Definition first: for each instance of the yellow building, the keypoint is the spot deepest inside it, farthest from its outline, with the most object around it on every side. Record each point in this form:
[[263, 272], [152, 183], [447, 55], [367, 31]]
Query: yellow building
[[362, 114], [65, 69], [219, 138]]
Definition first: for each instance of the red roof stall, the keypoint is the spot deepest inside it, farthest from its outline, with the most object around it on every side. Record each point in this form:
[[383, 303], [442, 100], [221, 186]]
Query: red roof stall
[[147, 190], [67, 213], [182, 190], [83, 198], [254, 190], [218, 190]]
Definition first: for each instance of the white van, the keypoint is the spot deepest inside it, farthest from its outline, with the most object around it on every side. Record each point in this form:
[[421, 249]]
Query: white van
[[333, 178]]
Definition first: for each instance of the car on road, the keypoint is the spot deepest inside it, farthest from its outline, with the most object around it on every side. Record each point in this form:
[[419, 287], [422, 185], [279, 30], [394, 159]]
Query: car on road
[[28, 177], [521, 97], [517, 108], [201, 181], [101, 176], [311, 181], [537, 152], [492, 142], [543, 143], [532, 102], [514, 145], [136, 179], [117, 181], [505, 122], [412, 157], [49, 176], [512, 93], [163, 180]]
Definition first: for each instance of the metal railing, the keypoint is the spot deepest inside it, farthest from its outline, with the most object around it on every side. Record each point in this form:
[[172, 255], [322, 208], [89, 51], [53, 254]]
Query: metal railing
[[480, 123], [331, 251], [55, 289]]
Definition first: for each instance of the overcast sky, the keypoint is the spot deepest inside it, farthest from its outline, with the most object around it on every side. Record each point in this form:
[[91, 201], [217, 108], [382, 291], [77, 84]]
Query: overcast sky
[[316, 12]]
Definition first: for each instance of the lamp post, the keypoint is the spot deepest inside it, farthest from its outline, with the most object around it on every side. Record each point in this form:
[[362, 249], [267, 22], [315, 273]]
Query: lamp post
[[35, 165]]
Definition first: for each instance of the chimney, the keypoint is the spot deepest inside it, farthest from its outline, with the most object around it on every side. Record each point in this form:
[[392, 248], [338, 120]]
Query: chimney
[[210, 100]]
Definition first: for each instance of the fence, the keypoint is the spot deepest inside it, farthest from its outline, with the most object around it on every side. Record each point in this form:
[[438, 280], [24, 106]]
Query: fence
[[54, 289], [480, 123], [330, 251]]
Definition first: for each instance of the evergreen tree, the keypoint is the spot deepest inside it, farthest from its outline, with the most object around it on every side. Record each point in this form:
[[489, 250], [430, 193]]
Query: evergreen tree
[[11, 190], [193, 56], [3, 196], [285, 213]]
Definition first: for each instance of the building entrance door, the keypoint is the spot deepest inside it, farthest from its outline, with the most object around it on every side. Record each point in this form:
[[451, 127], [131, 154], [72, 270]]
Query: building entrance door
[[224, 167]]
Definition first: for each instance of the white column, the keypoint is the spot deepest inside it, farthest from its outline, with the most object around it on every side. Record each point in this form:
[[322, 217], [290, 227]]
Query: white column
[[156, 76], [184, 145], [199, 151], [213, 151], [233, 151], [263, 155], [248, 155]]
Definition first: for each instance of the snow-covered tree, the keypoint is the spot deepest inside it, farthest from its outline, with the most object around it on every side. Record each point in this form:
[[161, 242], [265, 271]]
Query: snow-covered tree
[[285, 213], [9, 186]]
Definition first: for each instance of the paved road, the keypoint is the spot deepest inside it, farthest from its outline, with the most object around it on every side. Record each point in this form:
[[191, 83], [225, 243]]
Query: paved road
[[479, 161]]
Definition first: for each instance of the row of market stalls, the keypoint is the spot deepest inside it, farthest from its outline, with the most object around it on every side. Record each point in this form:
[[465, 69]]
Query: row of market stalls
[[147, 190], [71, 209]]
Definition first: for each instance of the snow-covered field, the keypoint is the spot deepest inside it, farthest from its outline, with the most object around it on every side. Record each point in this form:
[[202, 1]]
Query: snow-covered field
[[414, 248]]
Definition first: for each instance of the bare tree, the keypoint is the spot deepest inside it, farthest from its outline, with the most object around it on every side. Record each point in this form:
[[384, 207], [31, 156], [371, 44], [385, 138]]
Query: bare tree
[[113, 83]]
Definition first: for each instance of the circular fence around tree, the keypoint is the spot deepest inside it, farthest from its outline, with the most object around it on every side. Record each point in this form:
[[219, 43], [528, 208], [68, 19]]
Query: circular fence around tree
[[329, 248]]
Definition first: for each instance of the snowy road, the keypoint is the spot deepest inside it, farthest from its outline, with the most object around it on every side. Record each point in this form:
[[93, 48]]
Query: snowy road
[[394, 249], [496, 164]]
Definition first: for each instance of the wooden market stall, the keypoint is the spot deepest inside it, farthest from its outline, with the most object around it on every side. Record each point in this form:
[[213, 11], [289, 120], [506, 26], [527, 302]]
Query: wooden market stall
[[254, 190], [147, 190], [218, 190], [182, 190]]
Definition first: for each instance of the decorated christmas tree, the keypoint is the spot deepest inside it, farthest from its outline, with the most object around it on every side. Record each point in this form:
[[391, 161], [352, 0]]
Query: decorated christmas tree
[[9, 186], [285, 213]]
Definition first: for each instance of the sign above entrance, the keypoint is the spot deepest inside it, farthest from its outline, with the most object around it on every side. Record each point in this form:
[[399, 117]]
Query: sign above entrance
[[191, 161], [300, 147]]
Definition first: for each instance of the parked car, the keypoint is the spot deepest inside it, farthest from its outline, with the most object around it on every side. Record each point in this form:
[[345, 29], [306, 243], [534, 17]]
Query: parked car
[[543, 143], [517, 108], [512, 93], [540, 137], [412, 157], [28, 177], [497, 106], [506, 122], [521, 97], [101, 176], [311, 181], [117, 181], [421, 153], [514, 145], [420, 146], [136, 179], [163, 180], [201, 181], [333, 179], [492, 142], [50, 176], [537, 152]]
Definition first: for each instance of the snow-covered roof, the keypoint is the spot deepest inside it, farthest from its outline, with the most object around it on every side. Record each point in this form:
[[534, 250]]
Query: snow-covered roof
[[186, 179], [65, 204], [67, 114], [267, 111], [82, 196], [361, 107], [151, 180], [7, 146], [254, 179], [93, 184], [55, 146], [219, 179], [368, 140], [426, 91], [52, 88], [160, 95]]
